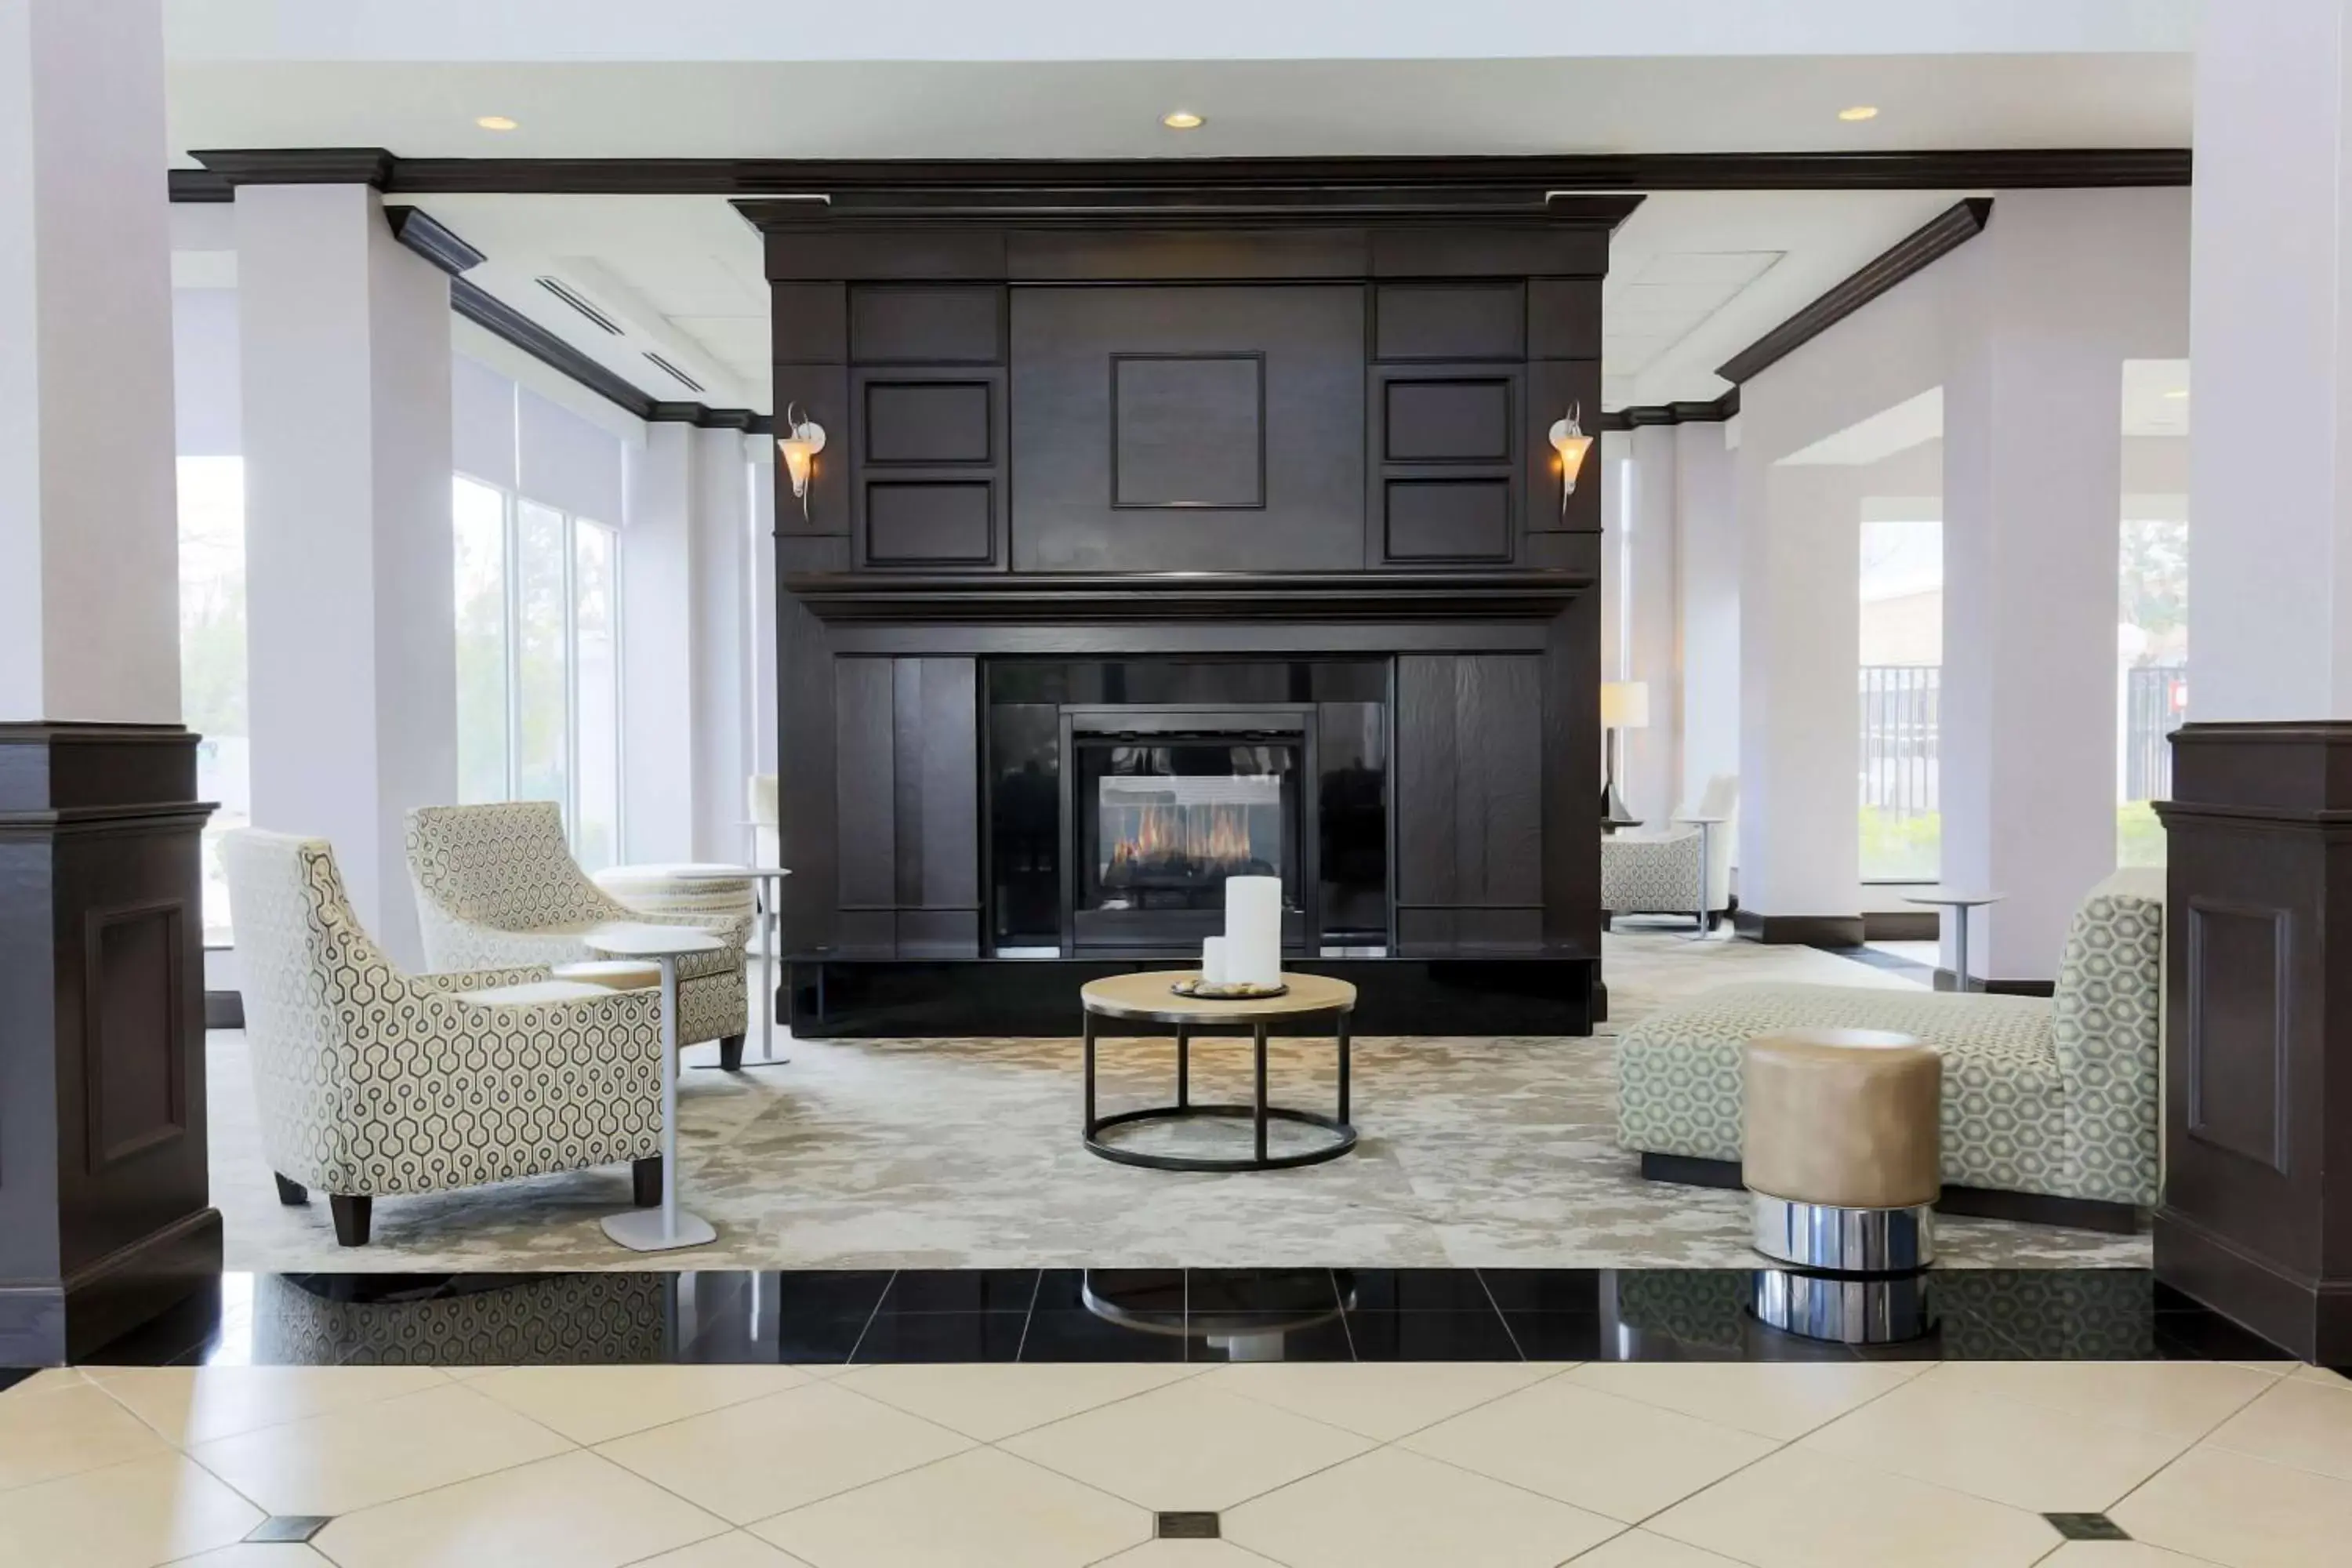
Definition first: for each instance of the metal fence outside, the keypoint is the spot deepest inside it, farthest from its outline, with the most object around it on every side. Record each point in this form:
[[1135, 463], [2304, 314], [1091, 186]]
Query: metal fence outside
[[1899, 738], [2155, 700]]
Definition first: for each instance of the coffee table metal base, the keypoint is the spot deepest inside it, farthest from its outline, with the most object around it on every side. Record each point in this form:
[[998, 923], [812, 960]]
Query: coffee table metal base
[[1344, 1140]]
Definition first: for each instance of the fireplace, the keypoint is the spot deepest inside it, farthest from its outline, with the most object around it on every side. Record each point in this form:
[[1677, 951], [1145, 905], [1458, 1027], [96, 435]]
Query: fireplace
[[1166, 802]]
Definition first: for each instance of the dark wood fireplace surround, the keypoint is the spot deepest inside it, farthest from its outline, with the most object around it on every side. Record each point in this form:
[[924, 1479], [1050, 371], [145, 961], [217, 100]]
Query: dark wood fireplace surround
[[1191, 412]]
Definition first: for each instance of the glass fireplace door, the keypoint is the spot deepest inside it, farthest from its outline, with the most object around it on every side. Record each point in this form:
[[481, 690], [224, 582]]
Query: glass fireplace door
[[1163, 820]]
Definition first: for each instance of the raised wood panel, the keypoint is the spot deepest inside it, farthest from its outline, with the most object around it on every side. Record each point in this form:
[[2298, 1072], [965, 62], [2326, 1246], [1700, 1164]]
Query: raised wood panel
[[135, 1042], [2239, 1073], [928, 421], [866, 809], [1422, 322], [930, 523], [1311, 338], [1469, 827], [1188, 430], [939, 750], [1460, 420], [899, 324], [1447, 519]]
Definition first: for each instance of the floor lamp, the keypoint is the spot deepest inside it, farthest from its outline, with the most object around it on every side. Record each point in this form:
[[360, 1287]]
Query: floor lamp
[[1624, 705]]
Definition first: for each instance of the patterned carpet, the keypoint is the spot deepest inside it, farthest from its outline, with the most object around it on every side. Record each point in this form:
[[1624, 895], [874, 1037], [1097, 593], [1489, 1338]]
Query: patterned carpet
[[965, 1153]]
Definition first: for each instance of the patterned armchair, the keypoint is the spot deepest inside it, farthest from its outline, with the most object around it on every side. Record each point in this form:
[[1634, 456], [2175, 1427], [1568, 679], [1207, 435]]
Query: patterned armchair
[[496, 885], [372, 1082], [2056, 1097], [1657, 872]]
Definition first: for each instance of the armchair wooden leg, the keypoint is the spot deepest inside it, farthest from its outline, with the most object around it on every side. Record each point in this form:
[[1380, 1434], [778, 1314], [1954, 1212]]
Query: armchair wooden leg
[[730, 1053], [645, 1178], [290, 1192], [351, 1218]]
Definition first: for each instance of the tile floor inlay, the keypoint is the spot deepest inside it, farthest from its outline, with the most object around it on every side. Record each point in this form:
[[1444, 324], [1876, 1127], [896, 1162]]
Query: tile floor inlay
[[953, 1153], [2086, 1527], [1195, 1525]]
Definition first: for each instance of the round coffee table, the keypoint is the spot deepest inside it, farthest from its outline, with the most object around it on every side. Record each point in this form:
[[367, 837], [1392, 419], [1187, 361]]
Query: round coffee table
[[1145, 998]]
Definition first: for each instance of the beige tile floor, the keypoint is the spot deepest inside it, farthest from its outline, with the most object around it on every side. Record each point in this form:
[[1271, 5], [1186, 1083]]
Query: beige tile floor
[[1322, 1465]]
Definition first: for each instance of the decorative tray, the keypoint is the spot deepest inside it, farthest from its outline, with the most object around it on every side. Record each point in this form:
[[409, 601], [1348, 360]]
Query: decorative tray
[[1226, 990]]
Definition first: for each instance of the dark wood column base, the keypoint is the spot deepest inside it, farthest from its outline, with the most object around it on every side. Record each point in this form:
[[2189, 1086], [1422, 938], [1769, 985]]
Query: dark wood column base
[[2310, 1318], [49, 1325], [1798, 930]]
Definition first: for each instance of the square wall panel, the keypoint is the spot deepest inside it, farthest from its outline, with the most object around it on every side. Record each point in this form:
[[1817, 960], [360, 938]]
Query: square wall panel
[[1188, 430]]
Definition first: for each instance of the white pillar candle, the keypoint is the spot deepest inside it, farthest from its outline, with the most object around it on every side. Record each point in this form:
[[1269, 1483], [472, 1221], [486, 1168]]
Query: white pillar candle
[[1213, 961], [1254, 931]]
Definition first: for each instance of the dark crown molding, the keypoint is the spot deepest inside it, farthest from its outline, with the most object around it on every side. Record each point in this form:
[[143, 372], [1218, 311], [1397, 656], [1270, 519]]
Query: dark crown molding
[[301, 167], [1938, 237], [1099, 599], [1365, 181], [422, 233], [1712, 411]]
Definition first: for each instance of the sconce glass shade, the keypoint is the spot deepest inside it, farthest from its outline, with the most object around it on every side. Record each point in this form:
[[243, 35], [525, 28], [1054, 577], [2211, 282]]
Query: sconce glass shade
[[1624, 704], [1569, 439], [803, 439]]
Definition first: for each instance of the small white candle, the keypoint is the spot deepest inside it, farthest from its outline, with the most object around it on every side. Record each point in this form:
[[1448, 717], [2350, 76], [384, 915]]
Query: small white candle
[[1254, 931], [1213, 961]]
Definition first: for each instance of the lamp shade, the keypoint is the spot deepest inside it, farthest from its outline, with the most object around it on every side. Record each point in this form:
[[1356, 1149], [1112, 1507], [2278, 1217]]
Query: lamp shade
[[1624, 704]]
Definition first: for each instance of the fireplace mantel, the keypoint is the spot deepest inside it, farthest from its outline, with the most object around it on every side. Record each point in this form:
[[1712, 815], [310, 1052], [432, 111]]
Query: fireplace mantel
[[1064, 598]]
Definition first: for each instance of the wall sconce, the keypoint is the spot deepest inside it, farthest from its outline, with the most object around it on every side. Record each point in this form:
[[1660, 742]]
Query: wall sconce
[[803, 439], [1569, 439]]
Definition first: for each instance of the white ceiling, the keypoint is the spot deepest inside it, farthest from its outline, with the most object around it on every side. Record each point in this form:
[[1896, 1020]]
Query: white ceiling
[[1694, 276], [1091, 30]]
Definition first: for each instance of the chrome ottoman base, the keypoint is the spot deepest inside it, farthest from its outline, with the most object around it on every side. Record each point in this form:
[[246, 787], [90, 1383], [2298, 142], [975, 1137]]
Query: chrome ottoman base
[[1858, 1276]]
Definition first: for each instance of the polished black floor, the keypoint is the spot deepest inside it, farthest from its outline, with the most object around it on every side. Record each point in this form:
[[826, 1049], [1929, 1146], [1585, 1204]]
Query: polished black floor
[[1139, 1315]]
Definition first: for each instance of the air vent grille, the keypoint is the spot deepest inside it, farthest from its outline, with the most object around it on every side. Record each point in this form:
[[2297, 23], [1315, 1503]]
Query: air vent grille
[[563, 291], [673, 373]]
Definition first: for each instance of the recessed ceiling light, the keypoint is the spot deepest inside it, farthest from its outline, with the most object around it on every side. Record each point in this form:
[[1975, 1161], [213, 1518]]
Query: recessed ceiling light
[[498, 123], [1182, 119], [1859, 111], [2177, 395]]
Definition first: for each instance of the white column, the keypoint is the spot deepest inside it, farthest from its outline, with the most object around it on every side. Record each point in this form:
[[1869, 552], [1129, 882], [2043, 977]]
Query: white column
[[1706, 571], [721, 600], [2270, 516], [89, 596], [350, 603], [658, 665], [1653, 630], [1800, 626], [2046, 305]]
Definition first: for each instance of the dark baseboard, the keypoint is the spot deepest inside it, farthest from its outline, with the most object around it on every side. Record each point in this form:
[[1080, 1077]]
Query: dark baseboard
[[224, 1009], [1945, 982], [1902, 925], [1966, 1202], [1800, 931], [2312, 1318], [50, 1325]]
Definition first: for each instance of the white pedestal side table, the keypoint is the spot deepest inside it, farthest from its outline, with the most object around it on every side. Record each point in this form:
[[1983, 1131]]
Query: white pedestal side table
[[1961, 904], [770, 880], [658, 1230], [1706, 827]]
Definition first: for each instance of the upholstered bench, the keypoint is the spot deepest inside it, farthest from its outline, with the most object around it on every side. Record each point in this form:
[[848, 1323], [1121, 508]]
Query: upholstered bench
[[2057, 1099]]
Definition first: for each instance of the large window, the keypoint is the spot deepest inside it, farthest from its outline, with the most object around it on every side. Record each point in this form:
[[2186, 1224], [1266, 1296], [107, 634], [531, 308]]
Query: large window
[[212, 659], [539, 695]]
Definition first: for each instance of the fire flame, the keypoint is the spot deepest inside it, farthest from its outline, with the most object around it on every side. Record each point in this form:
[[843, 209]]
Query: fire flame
[[1185, 837]]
